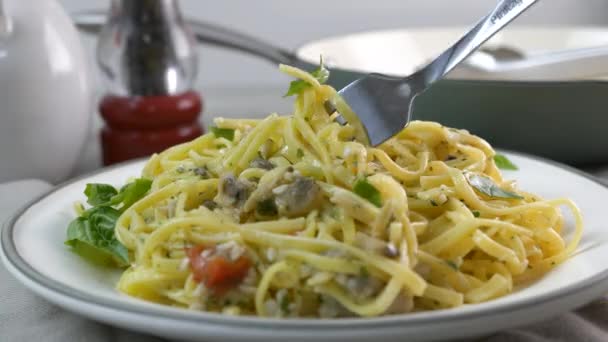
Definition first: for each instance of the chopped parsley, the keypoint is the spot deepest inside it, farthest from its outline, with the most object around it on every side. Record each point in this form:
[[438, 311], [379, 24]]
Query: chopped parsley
[[365, 189], [226, 133], [296, 87], [503, 163], [476, 213]]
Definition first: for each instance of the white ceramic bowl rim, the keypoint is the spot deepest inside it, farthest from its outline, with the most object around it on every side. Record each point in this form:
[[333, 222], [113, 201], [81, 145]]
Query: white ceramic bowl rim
[[15, 260], [308, 51]]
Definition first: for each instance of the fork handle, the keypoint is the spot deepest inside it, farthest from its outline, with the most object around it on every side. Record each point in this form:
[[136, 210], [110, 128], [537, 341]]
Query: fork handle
[[504, 12]]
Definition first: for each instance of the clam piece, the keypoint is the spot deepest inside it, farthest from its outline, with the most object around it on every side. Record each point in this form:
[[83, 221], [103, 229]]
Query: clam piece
[[299, 197], [232, 191], [262, 163]]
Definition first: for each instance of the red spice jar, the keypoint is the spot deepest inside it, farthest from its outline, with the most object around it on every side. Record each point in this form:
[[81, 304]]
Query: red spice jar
[[142, 125], [147, 56]]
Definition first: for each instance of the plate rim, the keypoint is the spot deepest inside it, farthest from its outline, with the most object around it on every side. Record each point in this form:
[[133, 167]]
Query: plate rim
[[20, 268]]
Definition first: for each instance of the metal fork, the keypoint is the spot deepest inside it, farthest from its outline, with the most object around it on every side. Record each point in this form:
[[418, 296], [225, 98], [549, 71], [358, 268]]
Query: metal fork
[[384, 104]]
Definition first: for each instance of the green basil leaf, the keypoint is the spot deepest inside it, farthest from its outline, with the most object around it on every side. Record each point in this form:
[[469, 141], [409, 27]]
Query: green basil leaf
[[120, 251], [93, 237], [364, 189], [92, 234], [226, 133], [78, 229], [487, 187], [99, 194], [93, 254], [296, 87], [132, 192], [103, 220], [321, 74], [503, 163]]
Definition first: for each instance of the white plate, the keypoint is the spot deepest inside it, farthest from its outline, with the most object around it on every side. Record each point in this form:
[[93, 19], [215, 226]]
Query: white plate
[[33, 250]]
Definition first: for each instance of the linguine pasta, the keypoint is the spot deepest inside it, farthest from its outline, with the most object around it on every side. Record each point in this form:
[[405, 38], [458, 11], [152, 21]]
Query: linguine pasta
[[293, 216]]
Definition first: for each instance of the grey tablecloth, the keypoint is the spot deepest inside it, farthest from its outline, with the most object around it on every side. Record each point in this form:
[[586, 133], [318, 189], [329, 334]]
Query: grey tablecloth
[[25, 317]]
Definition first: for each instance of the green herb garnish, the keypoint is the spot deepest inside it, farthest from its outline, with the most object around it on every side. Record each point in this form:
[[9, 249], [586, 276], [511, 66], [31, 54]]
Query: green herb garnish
[[476, 213], [226, 133], [99, 194], [300, 153], [487, 187], [106, 195], [364, 189], [132, 193], [91, 235], [503, 163], [296, 87]]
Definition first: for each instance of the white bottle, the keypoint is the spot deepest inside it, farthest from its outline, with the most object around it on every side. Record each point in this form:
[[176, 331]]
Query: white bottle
[[46, 93]]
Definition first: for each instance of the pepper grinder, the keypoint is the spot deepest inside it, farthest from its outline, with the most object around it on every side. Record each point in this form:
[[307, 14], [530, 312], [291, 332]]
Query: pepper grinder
[[148, 59]]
